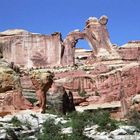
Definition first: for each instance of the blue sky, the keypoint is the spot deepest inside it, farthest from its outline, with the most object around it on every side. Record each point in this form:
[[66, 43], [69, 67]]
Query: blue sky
[[48, 16]]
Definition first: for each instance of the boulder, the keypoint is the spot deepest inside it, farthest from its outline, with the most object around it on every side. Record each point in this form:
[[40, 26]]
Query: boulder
[[42, 81], [11, 98]]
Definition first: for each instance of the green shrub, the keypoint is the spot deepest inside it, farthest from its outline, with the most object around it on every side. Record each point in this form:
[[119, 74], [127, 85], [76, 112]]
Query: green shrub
[[97, 93], [82, 93], [15, 121], [51, 131], [10, 134], [103, 119], [99, 117], [134, 118], [78, 121], [1, 125]]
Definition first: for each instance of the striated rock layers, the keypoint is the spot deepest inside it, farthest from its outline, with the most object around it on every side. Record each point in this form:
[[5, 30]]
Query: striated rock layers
[[107, 73], [11, 98], [42, 81], [34, 50]]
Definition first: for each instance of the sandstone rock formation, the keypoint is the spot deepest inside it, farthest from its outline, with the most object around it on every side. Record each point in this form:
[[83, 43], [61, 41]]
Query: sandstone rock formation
[[104, 72], [103, 80], [96, 34], [130, 51], [11, 98], [42, 81], [34, 50]]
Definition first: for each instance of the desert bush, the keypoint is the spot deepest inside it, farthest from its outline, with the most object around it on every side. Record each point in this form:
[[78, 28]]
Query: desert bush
[[81, 92], [1, 125], [103, 119], [134, 118], [15, 121], [78, 121], [97, 93], [10, 134], [51, 131], [100, 117]]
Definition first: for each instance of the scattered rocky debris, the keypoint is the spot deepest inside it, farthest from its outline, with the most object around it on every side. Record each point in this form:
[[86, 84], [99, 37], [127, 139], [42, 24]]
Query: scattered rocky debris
[[122, 133], [29, 123]]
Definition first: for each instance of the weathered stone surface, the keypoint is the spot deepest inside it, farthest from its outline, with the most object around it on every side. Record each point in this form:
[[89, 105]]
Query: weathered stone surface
[[30, 126], [103, 82], [42, 81], [96, 34], [104, 72], [11, 98], [9, 80], [34, 50], [130, 51]]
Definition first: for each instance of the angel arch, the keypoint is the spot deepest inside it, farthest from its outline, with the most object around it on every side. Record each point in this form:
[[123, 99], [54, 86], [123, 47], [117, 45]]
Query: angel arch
[[96, 34]]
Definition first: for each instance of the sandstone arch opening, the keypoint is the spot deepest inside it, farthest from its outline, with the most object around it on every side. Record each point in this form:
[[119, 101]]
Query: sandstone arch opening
[[82, 51]]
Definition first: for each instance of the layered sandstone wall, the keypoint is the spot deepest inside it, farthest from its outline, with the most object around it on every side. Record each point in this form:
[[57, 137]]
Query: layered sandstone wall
[[108, 72], [31, 50], [36, 50], [130, 51]]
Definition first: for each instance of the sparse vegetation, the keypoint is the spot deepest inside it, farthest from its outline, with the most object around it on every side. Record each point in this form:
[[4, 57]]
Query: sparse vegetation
[[134, 118], [51, 131], [99, 117], [103, 119], [32, 100], [81, 92], [15, 121], [78, 122], [97, 93], [1, 125], [10, 134]]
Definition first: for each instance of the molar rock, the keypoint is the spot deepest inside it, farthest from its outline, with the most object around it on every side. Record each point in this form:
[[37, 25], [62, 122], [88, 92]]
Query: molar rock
[[42, 81]]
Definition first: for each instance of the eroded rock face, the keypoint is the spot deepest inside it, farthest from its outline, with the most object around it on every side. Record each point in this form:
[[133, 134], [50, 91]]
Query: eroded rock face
[[104, 80], [107, 71], [11, 98], [130, 51], [34, 50], [42, 81], [96, 34]]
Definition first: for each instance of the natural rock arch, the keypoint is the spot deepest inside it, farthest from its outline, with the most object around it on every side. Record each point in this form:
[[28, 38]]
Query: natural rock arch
[[96, 34]]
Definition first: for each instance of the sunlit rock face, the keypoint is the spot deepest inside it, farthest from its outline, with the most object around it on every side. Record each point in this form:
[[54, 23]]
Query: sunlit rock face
[[42, 81], [105, 80], [96, 34], [11, 98], [31, 50], [37, 50], [130, 51], [102, 73]]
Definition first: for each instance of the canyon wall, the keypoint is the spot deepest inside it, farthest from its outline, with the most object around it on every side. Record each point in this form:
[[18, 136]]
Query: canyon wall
[[107, 72], [36, 50], [31, 50]]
